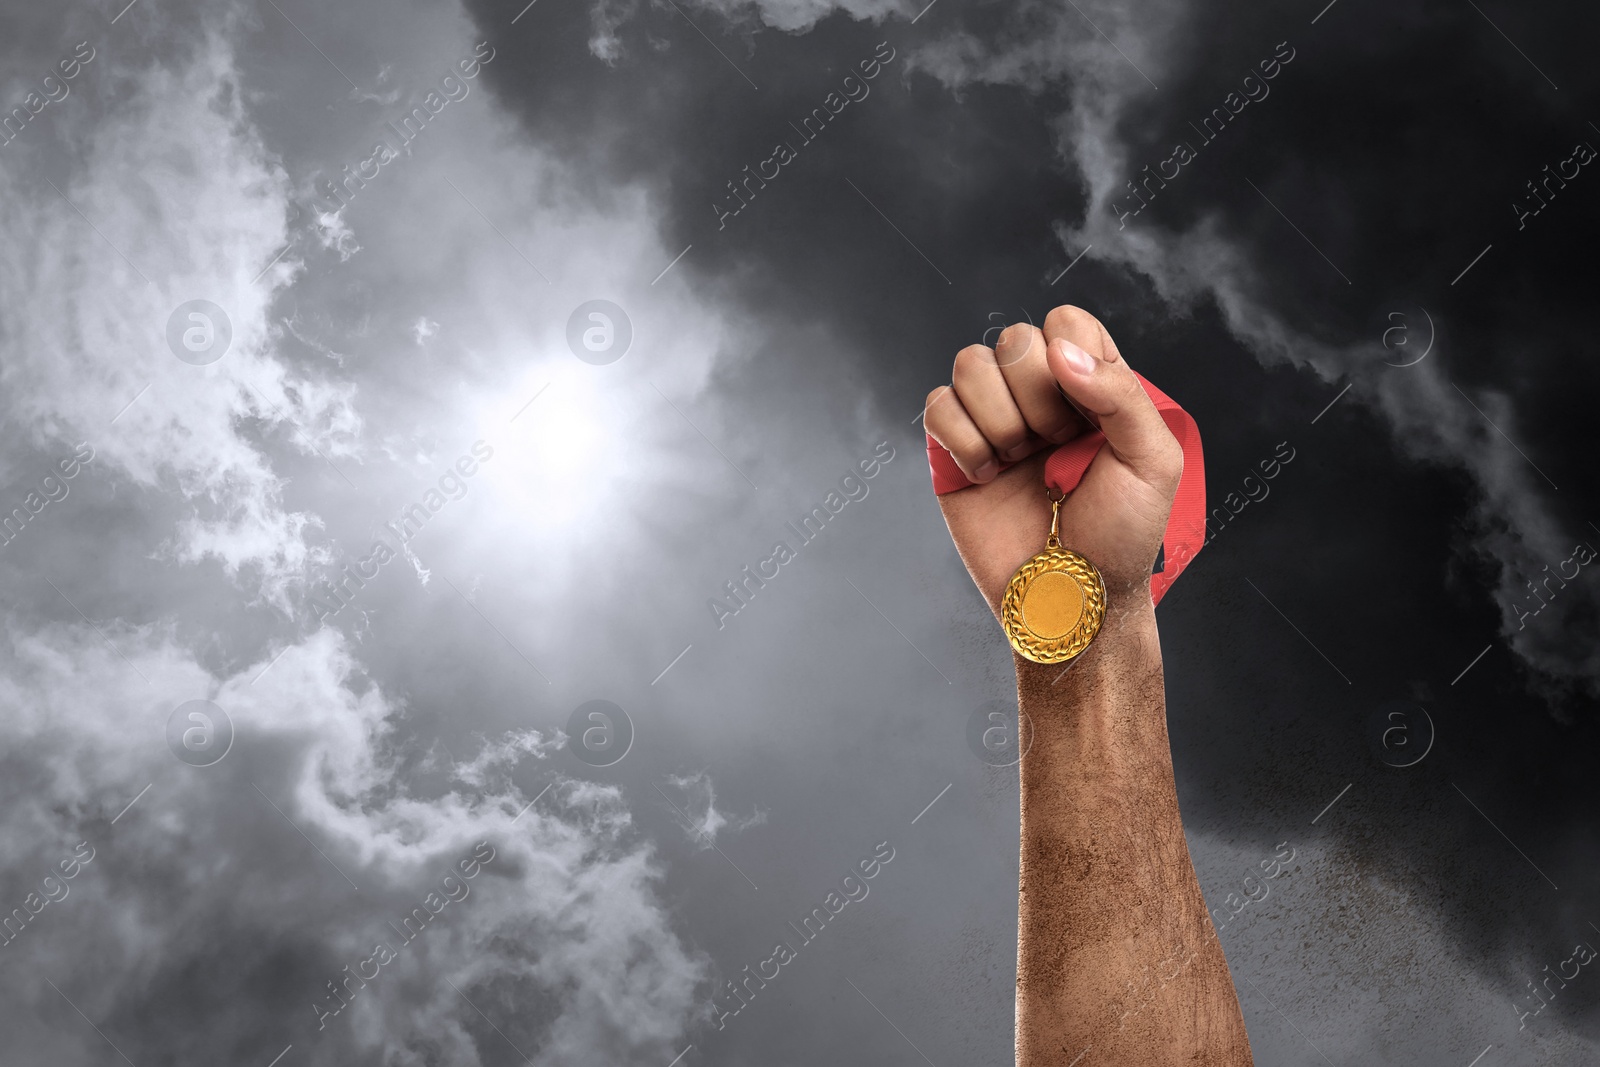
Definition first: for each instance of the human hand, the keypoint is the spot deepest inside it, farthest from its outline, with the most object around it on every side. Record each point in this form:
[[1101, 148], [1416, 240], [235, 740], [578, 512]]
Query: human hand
[[1007, 405]]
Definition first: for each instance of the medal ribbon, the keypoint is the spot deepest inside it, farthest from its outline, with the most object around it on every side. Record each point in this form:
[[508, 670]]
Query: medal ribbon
[[1186, 525]]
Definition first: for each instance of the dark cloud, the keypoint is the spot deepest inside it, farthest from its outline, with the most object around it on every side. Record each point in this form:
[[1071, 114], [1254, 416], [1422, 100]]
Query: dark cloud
[[1360, 181]]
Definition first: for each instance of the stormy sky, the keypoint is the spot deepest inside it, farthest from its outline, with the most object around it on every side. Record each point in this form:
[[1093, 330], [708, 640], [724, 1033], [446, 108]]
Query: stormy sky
[[390, 392]]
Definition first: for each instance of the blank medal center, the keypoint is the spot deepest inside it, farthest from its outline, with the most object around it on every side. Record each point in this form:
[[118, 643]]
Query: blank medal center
[[1052, 605]]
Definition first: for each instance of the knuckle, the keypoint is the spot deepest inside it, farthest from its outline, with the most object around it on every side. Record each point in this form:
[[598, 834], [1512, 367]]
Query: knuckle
[[934, 397], [943, 429], [974, 359], [1009, 437], [1019, 341], [1018, 333], [971, 451]]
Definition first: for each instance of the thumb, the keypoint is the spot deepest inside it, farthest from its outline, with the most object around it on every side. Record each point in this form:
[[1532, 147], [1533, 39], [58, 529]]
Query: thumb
[[1105, 387]]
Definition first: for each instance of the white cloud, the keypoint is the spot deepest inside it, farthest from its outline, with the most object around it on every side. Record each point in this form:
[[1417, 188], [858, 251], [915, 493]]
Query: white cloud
[[179, 201], [566, 914]]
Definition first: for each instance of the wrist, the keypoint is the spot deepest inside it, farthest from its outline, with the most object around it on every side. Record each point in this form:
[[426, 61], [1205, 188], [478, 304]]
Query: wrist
[[1127, 650], [1104, 713]]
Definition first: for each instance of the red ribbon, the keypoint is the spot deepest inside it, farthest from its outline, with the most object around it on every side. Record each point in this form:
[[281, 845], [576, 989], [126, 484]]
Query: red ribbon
[[1186, 525]]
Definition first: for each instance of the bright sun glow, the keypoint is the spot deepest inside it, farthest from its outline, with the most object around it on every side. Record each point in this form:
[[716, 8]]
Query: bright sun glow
[[557, 457]]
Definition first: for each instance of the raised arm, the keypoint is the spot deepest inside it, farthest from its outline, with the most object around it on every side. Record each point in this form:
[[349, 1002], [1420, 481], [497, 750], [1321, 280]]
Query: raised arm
[[1116, 957]]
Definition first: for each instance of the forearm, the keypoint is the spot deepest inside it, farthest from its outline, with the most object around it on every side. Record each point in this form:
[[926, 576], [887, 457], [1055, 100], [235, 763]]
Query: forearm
[[1116, 950]]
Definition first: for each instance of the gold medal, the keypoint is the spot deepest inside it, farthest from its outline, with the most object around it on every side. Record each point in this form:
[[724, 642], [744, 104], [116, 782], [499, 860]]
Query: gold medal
[[1055, 603]]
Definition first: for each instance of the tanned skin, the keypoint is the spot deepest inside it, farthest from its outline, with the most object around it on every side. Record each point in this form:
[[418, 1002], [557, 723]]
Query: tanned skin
[[1117, 961]]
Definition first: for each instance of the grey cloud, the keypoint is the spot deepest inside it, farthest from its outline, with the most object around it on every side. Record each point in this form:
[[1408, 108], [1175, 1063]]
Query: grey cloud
[[696, 797], [549, 919], [107, 288]]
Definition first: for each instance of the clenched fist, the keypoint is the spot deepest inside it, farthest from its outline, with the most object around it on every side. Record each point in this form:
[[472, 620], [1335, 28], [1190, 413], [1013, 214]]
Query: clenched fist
[[1105, 885], [1035, 390]]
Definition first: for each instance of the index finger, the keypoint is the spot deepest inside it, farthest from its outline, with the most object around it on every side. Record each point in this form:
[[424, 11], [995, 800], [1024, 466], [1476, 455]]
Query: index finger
[[1020, 352]]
